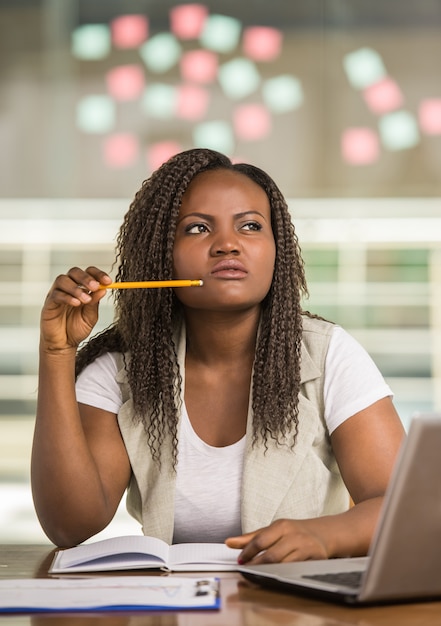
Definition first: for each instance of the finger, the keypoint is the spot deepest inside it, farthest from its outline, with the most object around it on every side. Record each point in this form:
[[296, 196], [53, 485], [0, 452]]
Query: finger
[[272, 543], [68, 292], [260, 541], [284, 541], [90, 278], [79, 286], [281, 551], [86, 297], [83, 279], [241, 540], [98, 275]]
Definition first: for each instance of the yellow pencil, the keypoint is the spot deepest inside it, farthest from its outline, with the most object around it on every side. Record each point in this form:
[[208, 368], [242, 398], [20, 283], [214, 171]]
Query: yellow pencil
[[152, 284]]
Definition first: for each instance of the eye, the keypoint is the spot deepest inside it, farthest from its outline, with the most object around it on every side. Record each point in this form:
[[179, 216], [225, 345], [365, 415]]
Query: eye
[[196, 228], [252, 226]]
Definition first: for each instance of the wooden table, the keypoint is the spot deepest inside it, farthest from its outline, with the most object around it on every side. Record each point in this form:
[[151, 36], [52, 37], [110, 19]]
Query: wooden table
[[242, 604]]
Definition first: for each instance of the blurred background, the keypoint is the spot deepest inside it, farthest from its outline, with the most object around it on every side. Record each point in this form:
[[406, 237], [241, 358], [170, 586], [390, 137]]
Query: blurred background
[[339, 100]]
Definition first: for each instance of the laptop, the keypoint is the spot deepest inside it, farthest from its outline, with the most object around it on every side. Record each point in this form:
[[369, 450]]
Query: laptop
[[404, 560]]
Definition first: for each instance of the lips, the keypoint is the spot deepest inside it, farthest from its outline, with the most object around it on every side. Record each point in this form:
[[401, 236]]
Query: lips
[[229, 269]]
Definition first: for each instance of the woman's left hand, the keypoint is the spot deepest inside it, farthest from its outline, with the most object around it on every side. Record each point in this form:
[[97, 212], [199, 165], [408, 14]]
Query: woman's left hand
[[283, 540]]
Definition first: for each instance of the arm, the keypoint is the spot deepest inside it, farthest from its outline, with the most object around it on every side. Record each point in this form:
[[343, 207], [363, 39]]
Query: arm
[[79, 467], [365, 446]]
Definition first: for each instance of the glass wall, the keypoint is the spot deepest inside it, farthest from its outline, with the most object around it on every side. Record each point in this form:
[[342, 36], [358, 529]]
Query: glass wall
[[339, 100]]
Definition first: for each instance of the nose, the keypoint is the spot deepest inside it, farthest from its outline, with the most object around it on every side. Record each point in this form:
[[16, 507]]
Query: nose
[[225, 242]]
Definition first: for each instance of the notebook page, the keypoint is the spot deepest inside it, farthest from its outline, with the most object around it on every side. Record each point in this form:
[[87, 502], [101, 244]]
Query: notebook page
[[203, 554], [116, 547]]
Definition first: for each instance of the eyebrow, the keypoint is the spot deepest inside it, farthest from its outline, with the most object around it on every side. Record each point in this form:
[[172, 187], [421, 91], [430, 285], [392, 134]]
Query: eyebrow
[[208, 217]]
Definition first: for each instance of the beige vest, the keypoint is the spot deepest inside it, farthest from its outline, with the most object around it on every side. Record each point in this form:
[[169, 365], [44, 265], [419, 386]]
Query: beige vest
[[282, 482]]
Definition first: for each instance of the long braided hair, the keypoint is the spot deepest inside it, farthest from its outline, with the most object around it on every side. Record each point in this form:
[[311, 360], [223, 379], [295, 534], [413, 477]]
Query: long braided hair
[[145, 319]]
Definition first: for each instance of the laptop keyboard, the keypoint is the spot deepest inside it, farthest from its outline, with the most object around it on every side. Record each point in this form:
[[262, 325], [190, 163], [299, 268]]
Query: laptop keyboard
[[348, 579]]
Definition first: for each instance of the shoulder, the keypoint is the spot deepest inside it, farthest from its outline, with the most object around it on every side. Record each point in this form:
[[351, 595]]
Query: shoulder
[[313, 326], [352, 379], [106, 364], [97, 384], [316, 335]]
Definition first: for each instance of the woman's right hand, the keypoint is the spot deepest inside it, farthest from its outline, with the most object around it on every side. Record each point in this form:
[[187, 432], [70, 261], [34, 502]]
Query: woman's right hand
[[70, 310]]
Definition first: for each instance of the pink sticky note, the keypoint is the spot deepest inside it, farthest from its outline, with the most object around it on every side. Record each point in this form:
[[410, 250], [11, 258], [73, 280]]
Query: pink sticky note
[[262, 43], [360, 146], [429, 115], [121, 150], [192, 102], [383, 96], [125, 82], [199, 66], [159, 153], [129, 31], [251, 121], [187, 20]]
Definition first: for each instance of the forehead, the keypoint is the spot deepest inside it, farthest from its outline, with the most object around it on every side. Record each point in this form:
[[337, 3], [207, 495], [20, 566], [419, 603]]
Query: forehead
[[225, 185]]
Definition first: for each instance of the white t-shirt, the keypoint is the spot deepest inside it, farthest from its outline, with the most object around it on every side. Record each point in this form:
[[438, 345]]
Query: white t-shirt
[[208, 484], [208, 487]]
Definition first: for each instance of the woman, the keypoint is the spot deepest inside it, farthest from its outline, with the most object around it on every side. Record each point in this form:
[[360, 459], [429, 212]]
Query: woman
[[227, 412]]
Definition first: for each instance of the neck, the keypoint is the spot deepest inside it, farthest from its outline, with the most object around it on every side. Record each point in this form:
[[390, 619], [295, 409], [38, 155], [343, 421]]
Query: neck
[[217, 338]]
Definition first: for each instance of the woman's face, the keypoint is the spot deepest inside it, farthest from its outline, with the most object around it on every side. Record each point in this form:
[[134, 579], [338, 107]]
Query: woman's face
[[224, 237]]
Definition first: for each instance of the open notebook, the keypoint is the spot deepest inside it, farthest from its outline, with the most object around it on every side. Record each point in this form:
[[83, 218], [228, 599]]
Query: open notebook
[[404, 562]]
